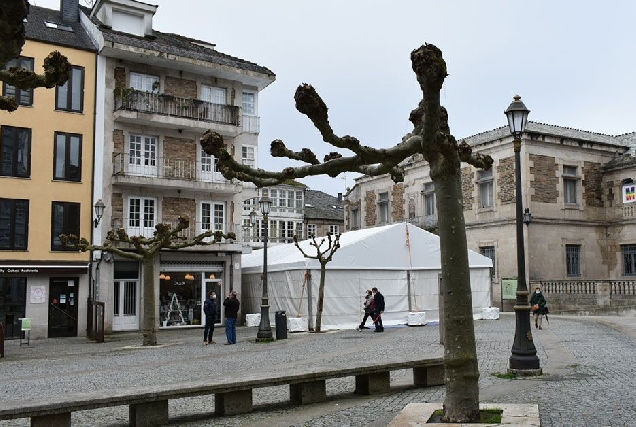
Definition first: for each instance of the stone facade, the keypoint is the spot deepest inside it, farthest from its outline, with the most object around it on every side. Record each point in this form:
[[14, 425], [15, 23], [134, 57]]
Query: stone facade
[[183, 88], [468, 187], [120, 77], [506, 180], [119, 144], [397, 203], [593, 184], [174, 207], [545, 183], [370, 209]]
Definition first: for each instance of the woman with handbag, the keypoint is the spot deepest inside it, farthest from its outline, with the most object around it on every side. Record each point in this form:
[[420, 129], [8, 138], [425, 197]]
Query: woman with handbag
[[538, 304]]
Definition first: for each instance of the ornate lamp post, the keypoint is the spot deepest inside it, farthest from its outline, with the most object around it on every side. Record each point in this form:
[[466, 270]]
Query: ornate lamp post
[[264, 328], [524, 360]]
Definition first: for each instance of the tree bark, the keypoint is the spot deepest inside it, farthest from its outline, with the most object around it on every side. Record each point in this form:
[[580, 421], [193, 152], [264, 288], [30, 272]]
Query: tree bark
[[460, 354], [150, 301], [321, 296]]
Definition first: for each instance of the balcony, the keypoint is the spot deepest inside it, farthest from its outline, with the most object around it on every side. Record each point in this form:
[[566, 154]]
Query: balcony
[[162, 172], [167, 111], [425, 222], [251, 124]]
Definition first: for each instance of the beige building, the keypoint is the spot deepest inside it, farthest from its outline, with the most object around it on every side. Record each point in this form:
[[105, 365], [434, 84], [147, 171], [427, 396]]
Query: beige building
[[577, 185], [158, 93], [46, 183]]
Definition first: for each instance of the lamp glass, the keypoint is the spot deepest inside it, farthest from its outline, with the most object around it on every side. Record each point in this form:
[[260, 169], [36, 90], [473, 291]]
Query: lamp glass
[[253, 217], [212, 276], [266, 205], [162, 276], [517, 114], [99, 208]]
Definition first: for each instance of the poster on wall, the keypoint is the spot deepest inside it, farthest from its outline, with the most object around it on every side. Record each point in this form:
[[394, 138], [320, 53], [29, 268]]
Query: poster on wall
[[509, 288], [38, 295], [629, 193]]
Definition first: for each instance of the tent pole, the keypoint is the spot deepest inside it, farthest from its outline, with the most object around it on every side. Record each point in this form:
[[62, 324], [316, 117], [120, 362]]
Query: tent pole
[[310, 312], [409, 290]]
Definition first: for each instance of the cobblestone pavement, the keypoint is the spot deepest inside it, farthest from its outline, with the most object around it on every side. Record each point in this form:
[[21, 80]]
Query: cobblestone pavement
[[588, 365]]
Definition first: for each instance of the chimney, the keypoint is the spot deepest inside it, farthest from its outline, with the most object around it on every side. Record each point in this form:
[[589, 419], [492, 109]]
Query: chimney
[[339, 197], [69, 9]]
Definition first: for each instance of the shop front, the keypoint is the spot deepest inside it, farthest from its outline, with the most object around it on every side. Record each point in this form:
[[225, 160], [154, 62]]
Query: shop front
[[183, 287]]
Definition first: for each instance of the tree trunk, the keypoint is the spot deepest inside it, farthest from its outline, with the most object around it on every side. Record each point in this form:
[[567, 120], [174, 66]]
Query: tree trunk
[[321, 296], [460, 353], [150, 301]]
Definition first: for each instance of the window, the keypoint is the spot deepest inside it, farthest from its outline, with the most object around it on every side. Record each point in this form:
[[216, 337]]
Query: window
[[67, 157], [299, 201], [247, 156], [142, 155], [21, 96], [16, 152], [383, 207], [65, 220], [13, 297], [215, 95], [355, 219], [249, 103], [429, 199], [144, 82], [212, 216], [334, 229], [286, 231], [573, 260], [141, 216], [629, 260], [311, 230], [485, 181], [127, 22], [489, 252], [70, 96], [14, 221], [570, 184], [299, 231], [209, 167]]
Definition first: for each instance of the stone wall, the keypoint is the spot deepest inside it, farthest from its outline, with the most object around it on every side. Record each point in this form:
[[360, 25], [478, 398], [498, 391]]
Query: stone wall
[[119, 144], [468, 187], [397, 202], [174, 207], [180, 87], [117, 206], [120, 77], [179, 149], [592, 184], [545, 183], [370, 209], [506, 180]]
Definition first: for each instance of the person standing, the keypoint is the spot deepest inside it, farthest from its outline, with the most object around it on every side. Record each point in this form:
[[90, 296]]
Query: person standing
[[538, 303], [209, 308], [378, 304], [368, 309], [231, 305]]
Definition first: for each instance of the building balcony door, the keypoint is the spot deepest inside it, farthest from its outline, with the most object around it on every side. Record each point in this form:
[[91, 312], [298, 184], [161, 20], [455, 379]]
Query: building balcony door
[[126, 305], [63, 307]]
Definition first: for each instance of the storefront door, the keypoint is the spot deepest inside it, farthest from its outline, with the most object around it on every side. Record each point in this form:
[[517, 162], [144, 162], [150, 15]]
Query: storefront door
[[63, 307], [213, 285], [126, 305]]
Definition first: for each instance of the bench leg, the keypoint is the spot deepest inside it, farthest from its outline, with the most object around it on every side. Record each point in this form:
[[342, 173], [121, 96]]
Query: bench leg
[[379, 382], [424, 377], [148, 414], [53, 420], [233, 402], [310, 392]]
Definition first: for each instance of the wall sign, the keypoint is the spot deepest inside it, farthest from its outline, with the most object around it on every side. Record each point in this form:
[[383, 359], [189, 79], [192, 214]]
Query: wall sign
[[629, 193], [509, 288], [38, 295]]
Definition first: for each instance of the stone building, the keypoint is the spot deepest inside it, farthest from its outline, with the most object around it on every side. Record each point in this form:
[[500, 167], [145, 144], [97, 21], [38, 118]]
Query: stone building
[[323, 213], [577, 185], [157, 93]]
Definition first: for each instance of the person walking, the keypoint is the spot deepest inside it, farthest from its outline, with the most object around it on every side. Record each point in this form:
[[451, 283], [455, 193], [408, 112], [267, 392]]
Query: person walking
[[368, 310], [209, 308], [378, 306], [538, 304], [231, 305]]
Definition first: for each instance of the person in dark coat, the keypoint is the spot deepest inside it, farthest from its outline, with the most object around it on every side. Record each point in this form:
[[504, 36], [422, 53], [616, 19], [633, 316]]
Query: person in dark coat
[[368, 310], [538, 304], [378, 304], [231, 305], [209, 308]]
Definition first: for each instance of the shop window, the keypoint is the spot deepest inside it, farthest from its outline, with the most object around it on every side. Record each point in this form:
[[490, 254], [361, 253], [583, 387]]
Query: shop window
[[181, 294], [67, 157]]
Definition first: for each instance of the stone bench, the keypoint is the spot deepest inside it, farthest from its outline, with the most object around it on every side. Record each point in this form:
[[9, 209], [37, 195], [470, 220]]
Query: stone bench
[[148, 405]]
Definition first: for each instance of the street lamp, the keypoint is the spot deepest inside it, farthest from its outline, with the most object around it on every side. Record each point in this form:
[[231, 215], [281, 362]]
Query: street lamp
[[264, 328], [524, 360], [99, 212]]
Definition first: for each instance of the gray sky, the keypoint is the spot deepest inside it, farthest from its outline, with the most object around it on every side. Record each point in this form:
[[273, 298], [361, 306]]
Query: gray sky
[[572, 62]]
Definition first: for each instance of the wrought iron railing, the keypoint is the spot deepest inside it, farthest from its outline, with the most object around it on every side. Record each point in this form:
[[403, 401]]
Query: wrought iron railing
[[146, 227], [164, 167], [169, 105]]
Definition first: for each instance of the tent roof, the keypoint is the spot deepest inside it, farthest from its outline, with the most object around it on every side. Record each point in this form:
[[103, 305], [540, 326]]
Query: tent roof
[[379, 248]]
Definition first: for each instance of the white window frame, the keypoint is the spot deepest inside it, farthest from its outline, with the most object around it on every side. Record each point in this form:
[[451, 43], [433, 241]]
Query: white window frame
[[486, 184], [383, 208], [571, 181], [248, 155], [334, 229], [144, 82], [312, 229], [137, 223], [429, 199], [209, 167], [214, 94], [217, 216], [250, 107], [142, 154]]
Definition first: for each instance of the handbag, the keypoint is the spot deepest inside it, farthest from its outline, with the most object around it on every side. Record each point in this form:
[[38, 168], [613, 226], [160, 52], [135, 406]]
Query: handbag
[[535, 307]]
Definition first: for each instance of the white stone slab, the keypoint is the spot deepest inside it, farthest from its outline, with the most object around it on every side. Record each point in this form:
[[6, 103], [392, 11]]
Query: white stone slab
[[490, 313], [417, 414], [253, 319], [416, 318], [297, 324]]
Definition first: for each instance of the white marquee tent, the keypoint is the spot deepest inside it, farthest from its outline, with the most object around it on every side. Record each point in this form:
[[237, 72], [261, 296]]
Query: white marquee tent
[[401, 260]]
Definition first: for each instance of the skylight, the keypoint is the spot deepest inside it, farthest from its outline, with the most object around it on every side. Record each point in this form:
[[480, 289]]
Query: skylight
[[57, 26]]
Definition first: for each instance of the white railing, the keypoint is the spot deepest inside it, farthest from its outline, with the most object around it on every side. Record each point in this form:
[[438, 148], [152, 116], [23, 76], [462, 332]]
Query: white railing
[[251, 124], [162, 167]]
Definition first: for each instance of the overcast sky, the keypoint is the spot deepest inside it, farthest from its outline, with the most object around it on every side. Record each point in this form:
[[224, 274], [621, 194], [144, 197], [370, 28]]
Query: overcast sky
[[572, 62]]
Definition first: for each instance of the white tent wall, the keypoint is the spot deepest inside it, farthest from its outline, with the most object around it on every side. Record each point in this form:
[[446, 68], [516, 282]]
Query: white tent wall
[[345, 290]]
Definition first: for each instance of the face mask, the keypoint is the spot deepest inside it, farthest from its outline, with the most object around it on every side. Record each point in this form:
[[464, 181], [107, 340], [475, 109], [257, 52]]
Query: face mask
[[537, 292]]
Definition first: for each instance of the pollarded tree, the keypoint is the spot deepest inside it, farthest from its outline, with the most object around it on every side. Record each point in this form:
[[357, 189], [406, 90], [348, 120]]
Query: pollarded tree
[[13, 14], [432, 139], [323, 255], [146, 251]]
